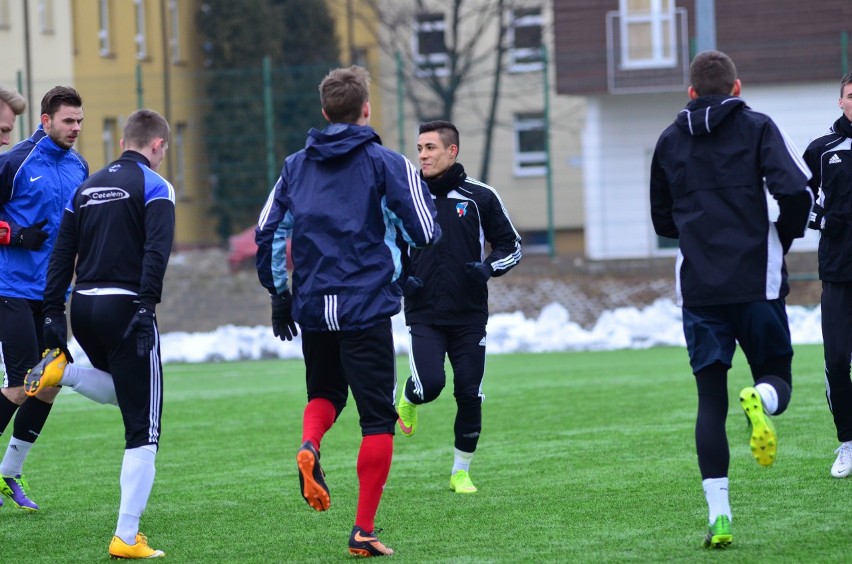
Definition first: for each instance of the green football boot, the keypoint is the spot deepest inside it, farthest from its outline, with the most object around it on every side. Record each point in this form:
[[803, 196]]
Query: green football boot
[[407, 420], [719, 535], [764, 440]]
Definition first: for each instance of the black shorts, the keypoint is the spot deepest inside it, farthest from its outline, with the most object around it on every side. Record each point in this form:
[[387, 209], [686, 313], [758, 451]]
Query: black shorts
[[99, 323], [761, 329], [363, 361], [21, 339]]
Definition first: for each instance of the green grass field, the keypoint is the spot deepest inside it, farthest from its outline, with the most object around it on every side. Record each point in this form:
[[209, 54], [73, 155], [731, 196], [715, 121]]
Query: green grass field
[[584, 457]]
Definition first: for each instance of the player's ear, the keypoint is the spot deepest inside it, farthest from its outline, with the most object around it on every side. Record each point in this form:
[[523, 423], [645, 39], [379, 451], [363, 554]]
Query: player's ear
[[738, 87]]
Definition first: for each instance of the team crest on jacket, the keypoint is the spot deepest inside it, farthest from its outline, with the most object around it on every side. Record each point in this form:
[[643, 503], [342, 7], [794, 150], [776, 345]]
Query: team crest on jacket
[[461, 209], [102, 195]]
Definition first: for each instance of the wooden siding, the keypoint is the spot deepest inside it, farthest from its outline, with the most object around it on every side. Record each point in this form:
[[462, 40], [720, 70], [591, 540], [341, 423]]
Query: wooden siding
[[771, 41]]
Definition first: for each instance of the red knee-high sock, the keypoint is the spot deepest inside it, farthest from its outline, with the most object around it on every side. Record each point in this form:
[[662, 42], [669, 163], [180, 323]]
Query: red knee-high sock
[[318, 418], [374, 462]]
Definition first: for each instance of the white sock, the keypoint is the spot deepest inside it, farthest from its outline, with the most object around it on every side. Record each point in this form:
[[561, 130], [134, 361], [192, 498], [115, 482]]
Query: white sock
[[716, 492], [13, 460], [137, 479], [461, 460], [92, 383], [769, 397]]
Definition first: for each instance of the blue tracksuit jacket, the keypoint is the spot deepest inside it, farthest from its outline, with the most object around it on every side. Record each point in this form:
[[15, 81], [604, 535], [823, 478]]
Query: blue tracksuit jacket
[[37, 179]]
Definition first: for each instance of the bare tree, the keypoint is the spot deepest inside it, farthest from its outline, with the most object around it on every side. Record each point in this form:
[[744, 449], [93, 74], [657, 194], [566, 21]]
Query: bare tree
[[468, 45]]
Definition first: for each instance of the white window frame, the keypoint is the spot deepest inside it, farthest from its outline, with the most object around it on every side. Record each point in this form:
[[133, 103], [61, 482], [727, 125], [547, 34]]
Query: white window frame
[[528, 163], [661, 19], [108, 139], [179, 178], [103, 29], [174, 31], [430, 64], [5, 23], [141, 36], [45, 16], [519, 57]]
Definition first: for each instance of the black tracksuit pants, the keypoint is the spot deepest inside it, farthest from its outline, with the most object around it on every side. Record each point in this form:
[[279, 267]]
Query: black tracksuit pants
[[464, 345], [836, 306], [99, 323]]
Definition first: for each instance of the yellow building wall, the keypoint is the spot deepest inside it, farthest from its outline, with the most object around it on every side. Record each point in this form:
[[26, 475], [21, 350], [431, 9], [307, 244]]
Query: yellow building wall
[[50, 61], [358, 46], [117, 79], [116, 82]]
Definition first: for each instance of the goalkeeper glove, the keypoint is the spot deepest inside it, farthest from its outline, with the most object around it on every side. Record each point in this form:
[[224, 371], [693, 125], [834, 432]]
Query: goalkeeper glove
[[478, 271], [55, 332], [30, 238], [5, 233], [142, 324], [283, 325]]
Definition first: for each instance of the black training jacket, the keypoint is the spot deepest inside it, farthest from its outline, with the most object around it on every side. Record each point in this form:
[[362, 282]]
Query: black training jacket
[[470, 214], [120, 226], [710, 174], [829, 157]]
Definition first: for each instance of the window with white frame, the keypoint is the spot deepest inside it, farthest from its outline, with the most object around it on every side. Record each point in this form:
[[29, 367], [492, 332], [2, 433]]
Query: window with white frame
[[103, 28], [179, 178], [4, 15], [45, 16], [430, 51], [109, 137], [648, 34], [525, 40], [530, 158], [174, 31], [141, 37]]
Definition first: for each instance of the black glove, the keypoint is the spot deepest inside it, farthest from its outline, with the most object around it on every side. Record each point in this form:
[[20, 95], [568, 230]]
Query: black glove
[[55, 333], [32, 237], [142, 323], [283, 325], [479, 272], [412, 286]]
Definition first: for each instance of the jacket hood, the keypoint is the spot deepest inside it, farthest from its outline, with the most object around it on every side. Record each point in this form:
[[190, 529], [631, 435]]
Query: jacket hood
[[704, 114], [338, 139]]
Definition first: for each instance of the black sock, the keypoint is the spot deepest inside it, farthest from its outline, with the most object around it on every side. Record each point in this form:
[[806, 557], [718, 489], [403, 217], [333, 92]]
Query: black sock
[[711, 440], [468, 425], [7, 410], [30, 420], [782, 388]]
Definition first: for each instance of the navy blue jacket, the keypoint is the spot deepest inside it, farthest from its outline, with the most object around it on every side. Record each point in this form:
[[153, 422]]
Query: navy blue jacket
[[343, 200], [37, 178], [710, 174]]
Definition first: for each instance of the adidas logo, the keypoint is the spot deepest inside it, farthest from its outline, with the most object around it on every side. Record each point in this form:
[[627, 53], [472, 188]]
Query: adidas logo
[[834, 159]]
